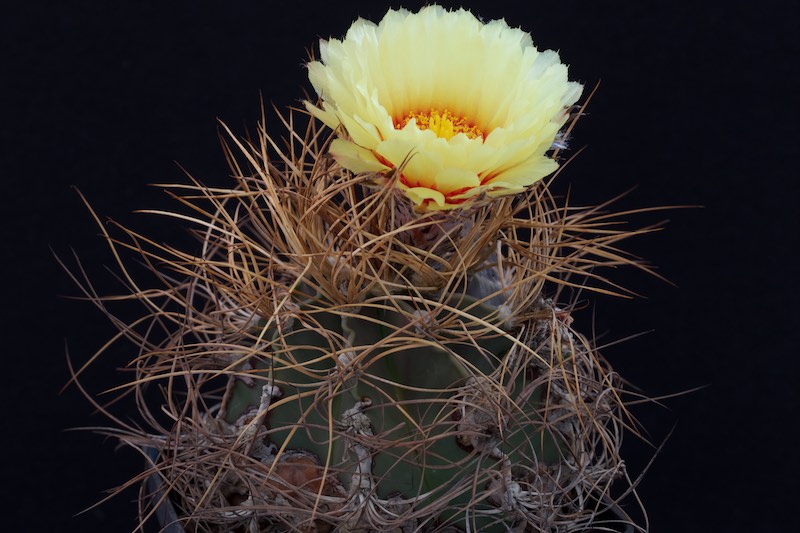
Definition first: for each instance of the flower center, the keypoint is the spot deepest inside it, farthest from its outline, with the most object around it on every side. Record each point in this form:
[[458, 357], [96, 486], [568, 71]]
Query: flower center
[[445, 124]]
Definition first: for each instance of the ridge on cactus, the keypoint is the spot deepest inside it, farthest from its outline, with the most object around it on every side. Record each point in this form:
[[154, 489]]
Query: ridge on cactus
[[376, 334]]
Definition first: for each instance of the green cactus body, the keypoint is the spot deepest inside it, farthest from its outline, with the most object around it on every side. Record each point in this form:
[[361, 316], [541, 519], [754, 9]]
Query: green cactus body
[[351, 365], [416, 386], [340, 358], [342, 363]]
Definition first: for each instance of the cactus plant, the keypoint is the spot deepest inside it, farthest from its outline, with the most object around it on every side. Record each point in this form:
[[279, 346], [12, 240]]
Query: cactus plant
[[374, 337]]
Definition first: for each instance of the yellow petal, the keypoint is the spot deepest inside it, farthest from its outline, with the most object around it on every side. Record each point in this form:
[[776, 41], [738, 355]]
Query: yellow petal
[[355, 158], [419, 195], [451, 179]]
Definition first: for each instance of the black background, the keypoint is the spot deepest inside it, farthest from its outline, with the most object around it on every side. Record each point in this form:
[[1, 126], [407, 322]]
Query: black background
[[695, 107]]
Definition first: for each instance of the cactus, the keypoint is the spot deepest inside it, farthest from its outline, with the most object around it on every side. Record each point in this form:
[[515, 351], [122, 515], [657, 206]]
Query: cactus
[[341, 355]]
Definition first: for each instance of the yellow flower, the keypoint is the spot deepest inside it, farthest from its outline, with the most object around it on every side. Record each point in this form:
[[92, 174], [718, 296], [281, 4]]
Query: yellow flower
[[470, 107]]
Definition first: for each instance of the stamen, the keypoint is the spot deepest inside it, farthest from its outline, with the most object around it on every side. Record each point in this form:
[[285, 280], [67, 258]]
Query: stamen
[[445, 124]]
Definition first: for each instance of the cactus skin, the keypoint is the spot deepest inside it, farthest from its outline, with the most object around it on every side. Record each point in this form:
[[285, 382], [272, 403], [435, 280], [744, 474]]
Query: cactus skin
[[388, 404], [413, 394]]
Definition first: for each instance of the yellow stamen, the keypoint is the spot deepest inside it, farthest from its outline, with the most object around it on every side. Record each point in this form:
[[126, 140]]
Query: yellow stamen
[[445, 125]]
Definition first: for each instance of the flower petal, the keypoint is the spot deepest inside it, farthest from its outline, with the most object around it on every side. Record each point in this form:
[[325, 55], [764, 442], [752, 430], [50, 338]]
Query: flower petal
[[355, 158]]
